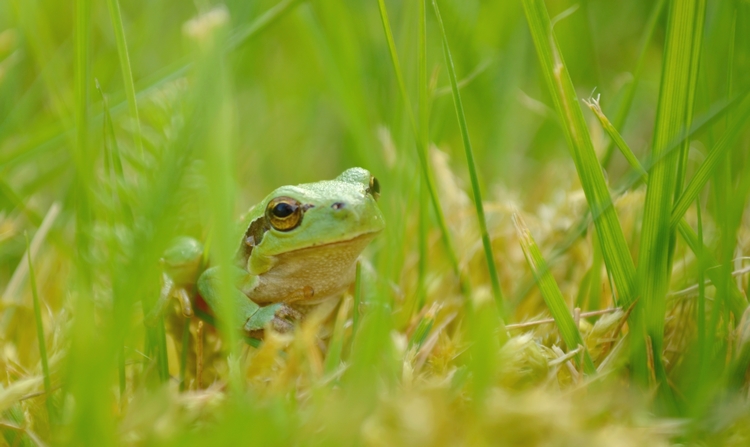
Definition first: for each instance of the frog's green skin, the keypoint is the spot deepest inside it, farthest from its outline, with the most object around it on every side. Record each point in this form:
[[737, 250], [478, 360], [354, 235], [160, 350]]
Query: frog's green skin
[[280, 273]]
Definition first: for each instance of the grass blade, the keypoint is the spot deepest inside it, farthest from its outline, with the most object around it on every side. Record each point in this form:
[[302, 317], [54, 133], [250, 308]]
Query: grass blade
[[627, 100], [262, 23], [486, 243], [615, 136], [40, 333], [11, 292], [614, 247], [357, 299], [184, 353], [551, 292], [737, 301], [127, 72], [216, 114], [422, 153], [701, 307], [710, 118], [336, 345], [424, 136], [709, 165], [672, 121]]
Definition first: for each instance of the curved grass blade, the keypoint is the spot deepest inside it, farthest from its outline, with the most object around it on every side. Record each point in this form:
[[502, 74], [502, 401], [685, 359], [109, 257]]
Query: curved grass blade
[[461, 116], [551, 292], [614, 247]]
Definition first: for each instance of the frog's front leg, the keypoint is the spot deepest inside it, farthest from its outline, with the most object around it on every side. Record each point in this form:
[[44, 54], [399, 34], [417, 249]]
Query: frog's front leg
[[181, 264], [249, 316], [168, 290]]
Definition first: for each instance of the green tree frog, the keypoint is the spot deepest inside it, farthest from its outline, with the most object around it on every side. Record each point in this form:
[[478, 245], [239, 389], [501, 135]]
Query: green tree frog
[[298, 248]]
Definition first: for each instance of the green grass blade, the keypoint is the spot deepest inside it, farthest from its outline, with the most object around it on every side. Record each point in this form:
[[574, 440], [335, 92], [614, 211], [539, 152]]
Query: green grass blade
[[595, 292], [672, 121], [216, 114], [551, 292], [336, 345], [357, 299], [257, 26], [695, 57], [614, 247], [160, 351], [127, 72], [184, 353], [617, 139], [422, 153], [423, 328], [422, 81], [736, 300], [424, 136], [709, 165], [40, 334], [479, 207], [701, 307], [42, 44], [115, 174], [700, 126], [627, 100], [89, 385]]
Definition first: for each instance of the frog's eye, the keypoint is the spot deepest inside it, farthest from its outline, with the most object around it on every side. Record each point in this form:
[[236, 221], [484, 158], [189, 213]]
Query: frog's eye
[[374, 188], [284, 213]]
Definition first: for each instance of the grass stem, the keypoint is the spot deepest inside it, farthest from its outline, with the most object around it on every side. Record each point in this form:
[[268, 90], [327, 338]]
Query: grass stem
[[127, 72], [423, 158], [476, 190], [40, 334]]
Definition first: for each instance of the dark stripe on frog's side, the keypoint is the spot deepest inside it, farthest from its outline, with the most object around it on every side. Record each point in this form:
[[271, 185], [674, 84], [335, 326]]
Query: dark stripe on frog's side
[[250, 239]]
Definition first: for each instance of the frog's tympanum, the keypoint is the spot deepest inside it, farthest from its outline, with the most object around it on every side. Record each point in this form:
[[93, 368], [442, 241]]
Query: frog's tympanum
[[298, 248]]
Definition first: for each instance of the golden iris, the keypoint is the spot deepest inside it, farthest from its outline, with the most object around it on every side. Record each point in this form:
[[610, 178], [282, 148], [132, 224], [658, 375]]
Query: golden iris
[[284, 213]]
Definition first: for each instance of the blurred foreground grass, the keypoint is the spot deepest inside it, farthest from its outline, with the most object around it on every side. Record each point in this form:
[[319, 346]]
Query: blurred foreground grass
[[618, 314]]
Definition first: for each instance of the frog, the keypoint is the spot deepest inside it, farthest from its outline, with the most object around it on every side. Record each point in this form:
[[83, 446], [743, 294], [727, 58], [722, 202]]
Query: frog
[[296, 249]]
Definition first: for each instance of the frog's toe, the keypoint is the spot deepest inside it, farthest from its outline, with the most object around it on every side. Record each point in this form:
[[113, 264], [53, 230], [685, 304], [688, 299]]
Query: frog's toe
[[281, 325], [288, 313]]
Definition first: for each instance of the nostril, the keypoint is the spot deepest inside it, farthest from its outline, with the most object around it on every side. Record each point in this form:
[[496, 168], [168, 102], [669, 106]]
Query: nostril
[[338, 205]]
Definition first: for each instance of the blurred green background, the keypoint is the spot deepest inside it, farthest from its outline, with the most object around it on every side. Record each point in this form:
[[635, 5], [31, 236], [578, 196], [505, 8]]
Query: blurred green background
[[311, 91]]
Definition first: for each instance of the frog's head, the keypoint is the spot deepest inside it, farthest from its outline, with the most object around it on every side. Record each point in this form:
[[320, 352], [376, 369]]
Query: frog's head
[[314, 214]]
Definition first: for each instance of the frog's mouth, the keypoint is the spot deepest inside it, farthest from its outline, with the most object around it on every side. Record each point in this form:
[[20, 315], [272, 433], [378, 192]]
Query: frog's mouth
[[367, 235]]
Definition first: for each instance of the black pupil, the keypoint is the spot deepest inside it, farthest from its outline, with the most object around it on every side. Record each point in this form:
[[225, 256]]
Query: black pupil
[[283, 210]]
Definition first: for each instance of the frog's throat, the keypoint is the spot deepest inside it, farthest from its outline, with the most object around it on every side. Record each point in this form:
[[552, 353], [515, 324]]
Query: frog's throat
[[321, 272]]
